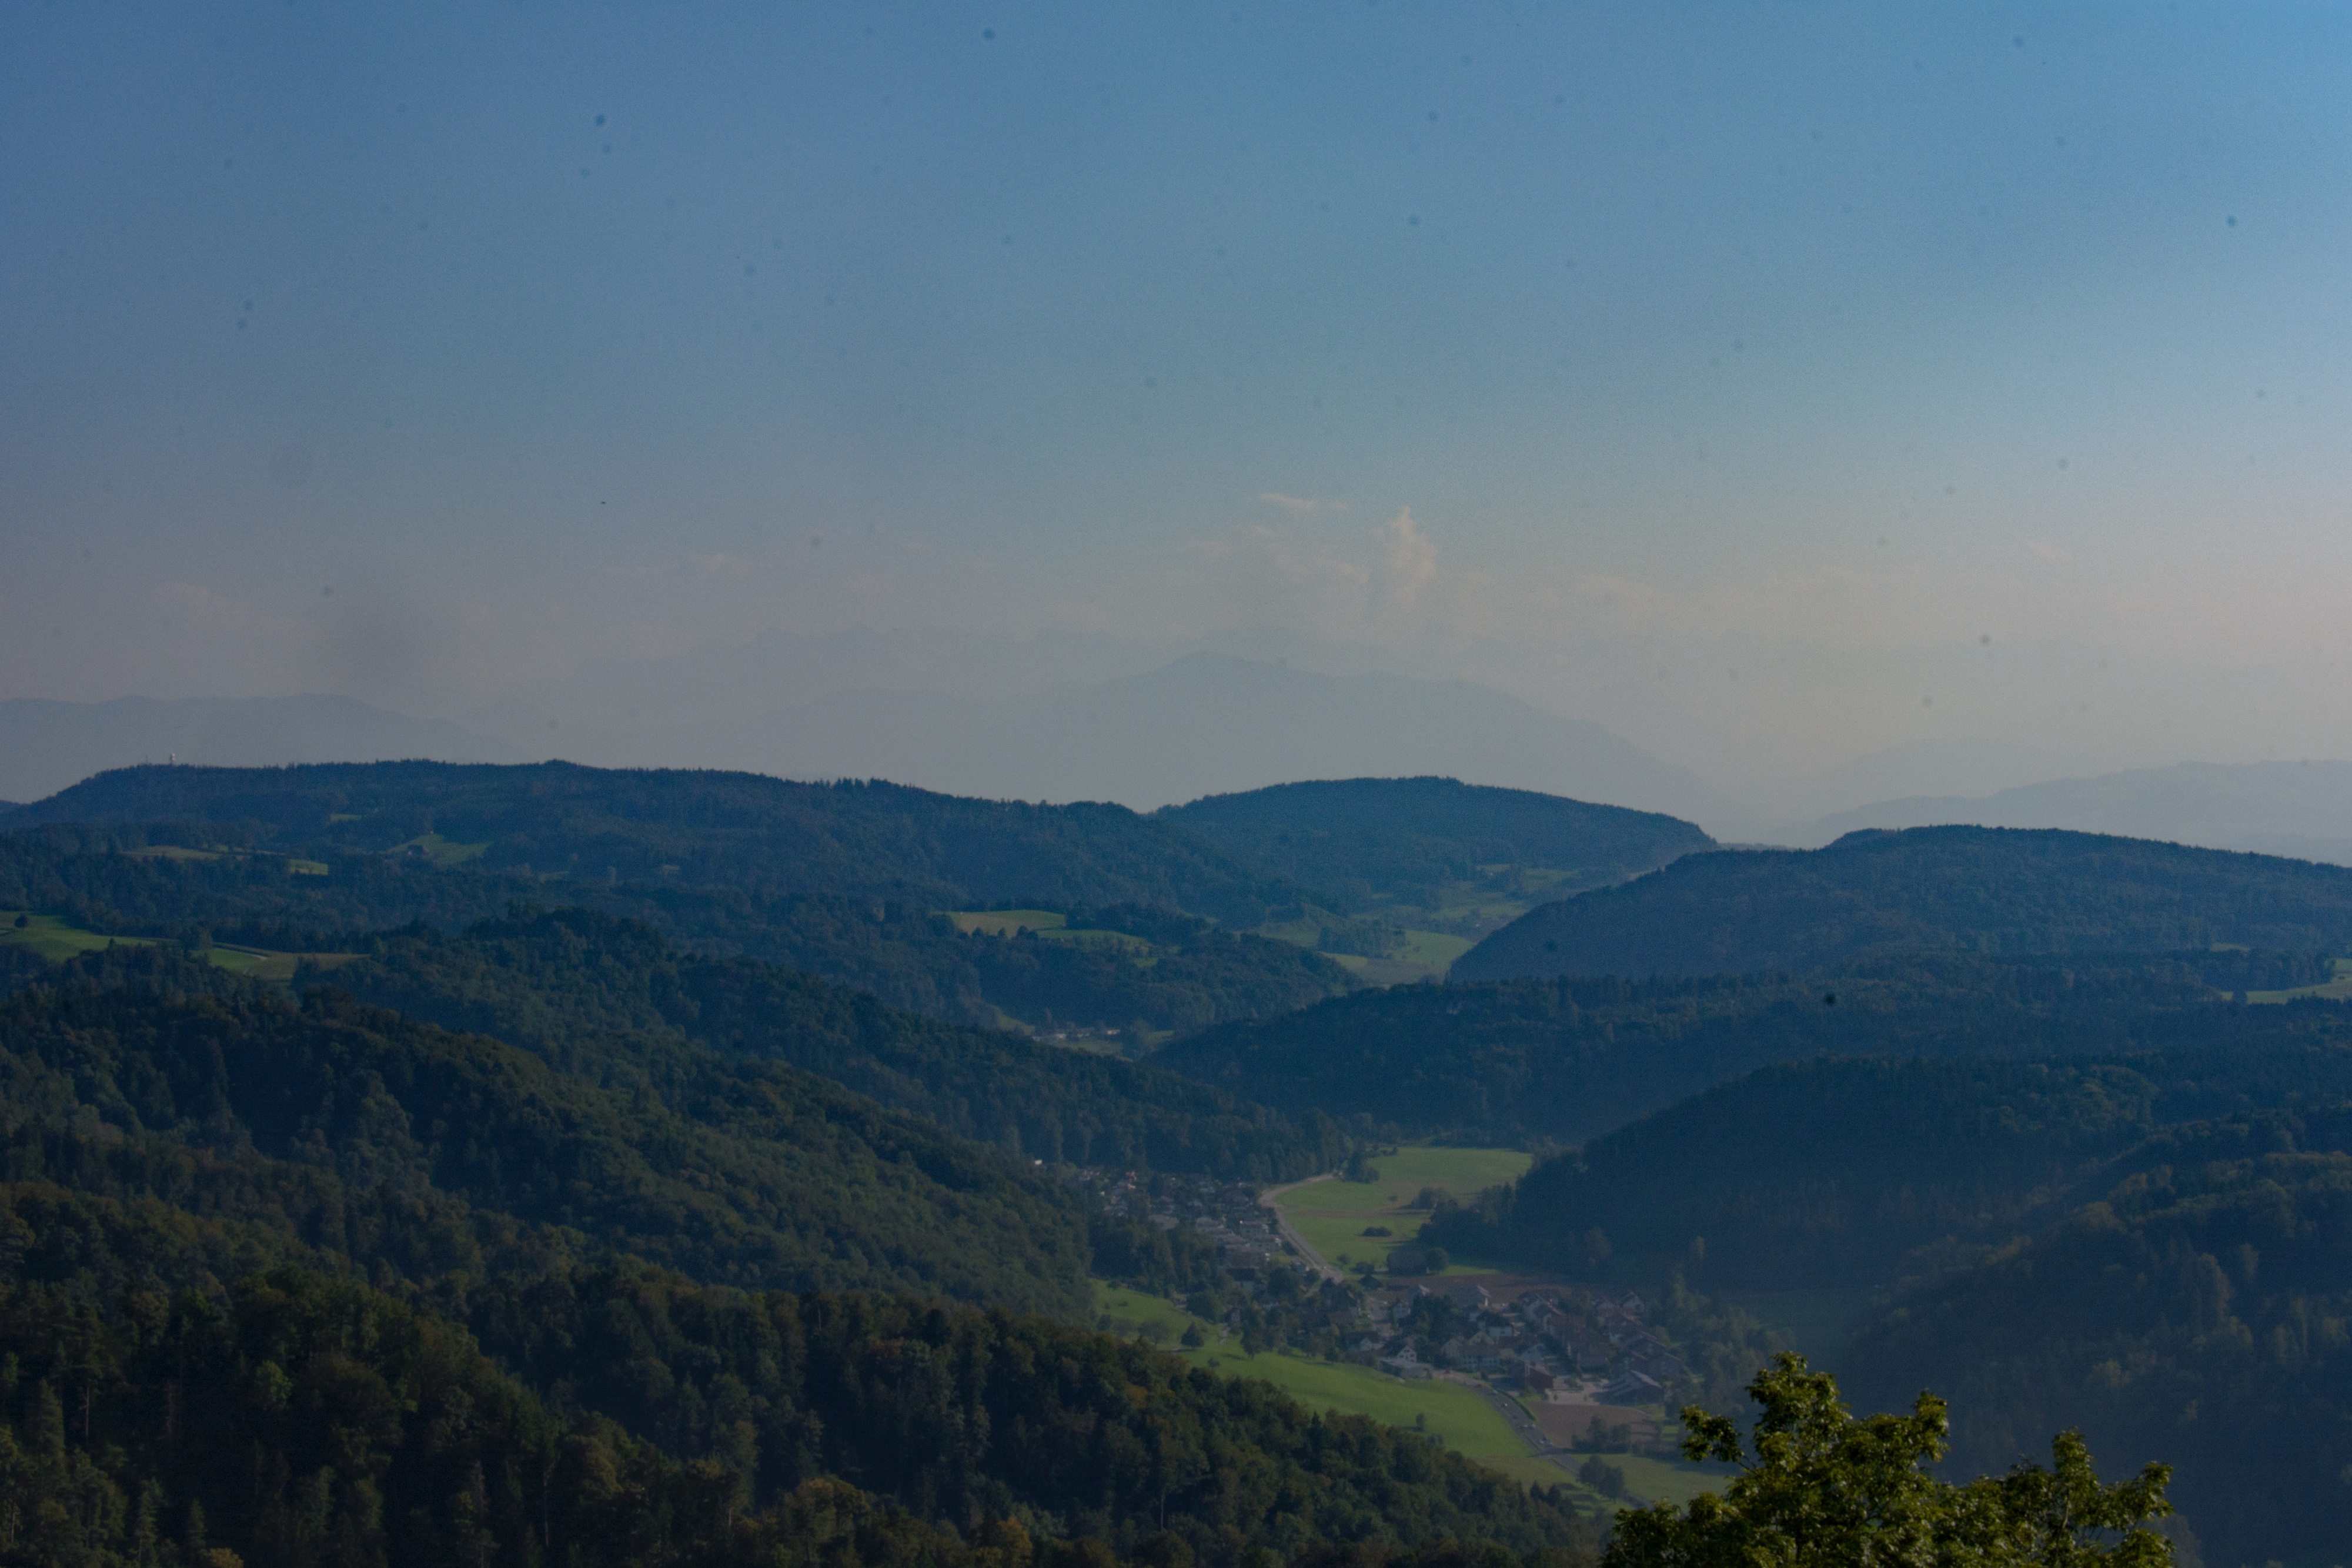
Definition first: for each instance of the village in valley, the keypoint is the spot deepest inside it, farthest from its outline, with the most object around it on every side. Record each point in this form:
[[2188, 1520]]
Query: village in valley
[[1574, 1370]]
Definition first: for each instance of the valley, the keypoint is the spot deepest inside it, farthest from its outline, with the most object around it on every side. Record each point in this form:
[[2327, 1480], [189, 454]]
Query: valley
[[1215, 1097]]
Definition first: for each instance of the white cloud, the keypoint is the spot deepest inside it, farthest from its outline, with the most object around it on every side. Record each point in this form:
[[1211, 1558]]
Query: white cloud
[[1301, 506], [1408, 567]]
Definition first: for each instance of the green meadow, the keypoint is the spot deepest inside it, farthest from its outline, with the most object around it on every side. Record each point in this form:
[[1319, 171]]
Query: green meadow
[[1005, 921], [1334, 1215], [1455, 1414], [56, 939], [51, 936], [2335, 990]]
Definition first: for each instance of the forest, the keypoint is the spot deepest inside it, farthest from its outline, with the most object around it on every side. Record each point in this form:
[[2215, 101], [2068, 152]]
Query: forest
[[2004, 891], [552, 980], [256, 1250], [1409, 839], [1571, 1058], [769, 836], [1181, 971]]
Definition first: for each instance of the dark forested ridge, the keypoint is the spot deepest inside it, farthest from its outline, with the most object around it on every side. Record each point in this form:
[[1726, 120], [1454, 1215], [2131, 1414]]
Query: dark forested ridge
[[402, 1145], [1969, 889], [1410, 839], [1567, 1059], [1180, 973], [552, 980], [766, 835], [1834, 1172]]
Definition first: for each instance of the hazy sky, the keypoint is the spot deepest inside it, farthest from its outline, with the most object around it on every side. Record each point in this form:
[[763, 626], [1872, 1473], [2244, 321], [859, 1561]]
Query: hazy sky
[[1753, 378]]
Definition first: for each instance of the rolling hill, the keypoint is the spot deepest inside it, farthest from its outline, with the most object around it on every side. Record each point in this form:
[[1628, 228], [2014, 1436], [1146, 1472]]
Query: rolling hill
[[698, 829], [1980, 890], [1566, 1059], [1412, 840]]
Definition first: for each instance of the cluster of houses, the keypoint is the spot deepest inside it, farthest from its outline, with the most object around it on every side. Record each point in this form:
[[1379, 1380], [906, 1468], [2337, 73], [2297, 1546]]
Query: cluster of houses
[[1572, 1345], [1226, 1213]]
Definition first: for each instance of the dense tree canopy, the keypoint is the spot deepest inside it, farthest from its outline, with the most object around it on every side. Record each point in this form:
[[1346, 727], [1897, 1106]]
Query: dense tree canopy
[[1963, 890], [1568, 1059], [400, 1143], [1407, 839], [551, 980], [1181, 972]]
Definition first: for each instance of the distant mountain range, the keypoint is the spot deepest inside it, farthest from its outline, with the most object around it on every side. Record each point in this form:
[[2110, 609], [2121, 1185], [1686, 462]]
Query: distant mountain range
[[2302, 809], [1205, 724], [45, 746]]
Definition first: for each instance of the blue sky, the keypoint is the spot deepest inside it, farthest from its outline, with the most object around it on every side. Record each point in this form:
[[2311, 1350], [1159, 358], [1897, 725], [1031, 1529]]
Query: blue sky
[[422, 352]]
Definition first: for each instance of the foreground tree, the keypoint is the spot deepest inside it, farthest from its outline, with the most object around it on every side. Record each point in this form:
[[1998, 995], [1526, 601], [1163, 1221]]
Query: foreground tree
[[1826, 1490]]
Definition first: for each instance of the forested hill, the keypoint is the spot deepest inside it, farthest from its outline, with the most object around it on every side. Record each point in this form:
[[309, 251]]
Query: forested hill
[[1970, 890], [1568, 1059], [1410, 839], [701, 828], [1833, 1173], [136, 1075], [550, 979], [288, 1417], [1132, 965], [2150, 1249], [321, 1284], [2196, 1305]]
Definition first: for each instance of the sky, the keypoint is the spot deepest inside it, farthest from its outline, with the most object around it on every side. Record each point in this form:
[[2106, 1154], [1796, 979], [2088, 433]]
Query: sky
[[1777, 384]]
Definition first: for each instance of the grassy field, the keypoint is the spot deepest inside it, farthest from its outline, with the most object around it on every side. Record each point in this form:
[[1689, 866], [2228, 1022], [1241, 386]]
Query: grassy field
[[261, 964], [1434, 948], [1005, 921], [1044, 924], [50, 937], [2335, 990], [1465, 1422], [440, 850], [1664, 1480], [1457, 1416], [1333, 1215], [54, 939]]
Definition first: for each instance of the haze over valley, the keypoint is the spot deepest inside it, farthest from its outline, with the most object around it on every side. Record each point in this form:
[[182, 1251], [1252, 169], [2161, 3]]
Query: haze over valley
[[1361, 786]]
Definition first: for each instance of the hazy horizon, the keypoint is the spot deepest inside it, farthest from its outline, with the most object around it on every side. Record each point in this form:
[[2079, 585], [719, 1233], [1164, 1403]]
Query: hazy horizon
[[1943, 396]]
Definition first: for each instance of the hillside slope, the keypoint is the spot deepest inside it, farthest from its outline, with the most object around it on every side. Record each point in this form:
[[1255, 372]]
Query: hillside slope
[[1833, 1173], [1567, 1059], [1980, 890], [1146, 964], [2195, 1306], [550, 980], [137, 1074]]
